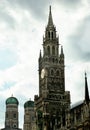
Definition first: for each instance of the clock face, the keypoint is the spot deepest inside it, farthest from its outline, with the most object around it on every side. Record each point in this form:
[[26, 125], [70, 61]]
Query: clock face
[[42, 73]]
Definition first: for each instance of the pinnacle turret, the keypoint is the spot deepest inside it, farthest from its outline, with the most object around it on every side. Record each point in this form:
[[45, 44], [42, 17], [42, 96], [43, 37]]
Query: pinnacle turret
[[62, 54], [61, 49], [86, 89]]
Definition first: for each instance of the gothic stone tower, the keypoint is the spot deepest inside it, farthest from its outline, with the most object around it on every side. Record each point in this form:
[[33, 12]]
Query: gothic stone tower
[[53, 103]]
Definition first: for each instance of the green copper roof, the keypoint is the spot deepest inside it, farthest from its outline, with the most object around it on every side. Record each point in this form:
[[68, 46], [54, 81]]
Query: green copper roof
[[12, 100], [29, 104]]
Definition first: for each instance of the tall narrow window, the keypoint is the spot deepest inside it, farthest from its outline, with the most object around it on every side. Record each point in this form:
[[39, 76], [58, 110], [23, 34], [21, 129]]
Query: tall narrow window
[[48, 34], [52, 35], [48, 50], [52, 72], [14, 115], [57, 73], [53, 50]]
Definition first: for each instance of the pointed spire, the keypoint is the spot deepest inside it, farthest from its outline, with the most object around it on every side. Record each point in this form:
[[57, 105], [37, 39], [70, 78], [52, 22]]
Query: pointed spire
[[86, 89], [50, 20], [62, 54], [61, 49]]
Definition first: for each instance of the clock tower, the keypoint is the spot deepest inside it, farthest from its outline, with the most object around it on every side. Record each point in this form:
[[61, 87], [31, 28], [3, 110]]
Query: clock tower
[[53, 102]]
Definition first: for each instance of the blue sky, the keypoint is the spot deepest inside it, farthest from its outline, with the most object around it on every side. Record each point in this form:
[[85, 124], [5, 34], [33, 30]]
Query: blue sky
[[22, 26]]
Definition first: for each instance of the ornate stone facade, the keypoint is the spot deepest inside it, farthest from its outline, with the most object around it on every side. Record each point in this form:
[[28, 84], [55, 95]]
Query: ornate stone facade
[[52, 106], [53, 102]]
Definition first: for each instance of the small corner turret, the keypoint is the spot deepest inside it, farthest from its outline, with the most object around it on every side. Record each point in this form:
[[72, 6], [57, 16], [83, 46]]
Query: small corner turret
[[62, 53]]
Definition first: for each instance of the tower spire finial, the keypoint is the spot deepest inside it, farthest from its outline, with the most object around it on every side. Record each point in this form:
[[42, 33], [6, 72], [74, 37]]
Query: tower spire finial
[[86, 89], [50, 8], [50, 20]]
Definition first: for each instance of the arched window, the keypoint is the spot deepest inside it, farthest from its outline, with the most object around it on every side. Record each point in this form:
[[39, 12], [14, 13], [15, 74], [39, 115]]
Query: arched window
[[57, 73], [14, 125], [53, 60], [48, 50], [56, 60], [14, 115], [53, 50], [52, 34], [48, 34], [52, 72]]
